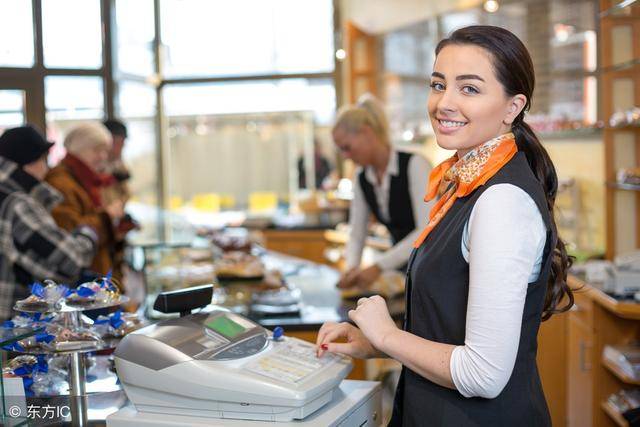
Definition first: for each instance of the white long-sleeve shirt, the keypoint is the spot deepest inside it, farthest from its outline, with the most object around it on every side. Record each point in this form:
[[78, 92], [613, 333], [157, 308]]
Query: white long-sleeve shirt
[[418, 171], [503, 242]]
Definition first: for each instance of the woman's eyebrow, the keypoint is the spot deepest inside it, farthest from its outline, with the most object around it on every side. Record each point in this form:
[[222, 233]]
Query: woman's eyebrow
[[460, 77], [469, 77]]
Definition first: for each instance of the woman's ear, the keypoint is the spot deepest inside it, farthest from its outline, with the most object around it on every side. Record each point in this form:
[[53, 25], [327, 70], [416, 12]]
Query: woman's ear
[[516, 105], [368, 133]]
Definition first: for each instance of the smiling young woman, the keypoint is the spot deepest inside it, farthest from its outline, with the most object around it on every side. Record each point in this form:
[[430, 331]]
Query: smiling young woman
[[489, 265]]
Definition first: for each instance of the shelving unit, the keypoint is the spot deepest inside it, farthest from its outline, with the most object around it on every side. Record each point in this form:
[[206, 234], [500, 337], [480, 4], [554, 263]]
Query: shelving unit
[[620, 90]]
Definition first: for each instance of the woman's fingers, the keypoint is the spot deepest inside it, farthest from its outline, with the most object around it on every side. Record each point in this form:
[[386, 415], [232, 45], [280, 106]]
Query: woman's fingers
[[347, 349], [331, 334], [324, 329]]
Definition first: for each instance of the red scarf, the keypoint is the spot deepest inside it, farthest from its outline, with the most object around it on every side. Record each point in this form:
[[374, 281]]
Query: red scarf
[[90, 180], [455, 178]]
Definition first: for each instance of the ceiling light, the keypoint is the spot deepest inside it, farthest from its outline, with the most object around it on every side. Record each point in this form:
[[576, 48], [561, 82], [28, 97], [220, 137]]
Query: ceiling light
[[491, 6]]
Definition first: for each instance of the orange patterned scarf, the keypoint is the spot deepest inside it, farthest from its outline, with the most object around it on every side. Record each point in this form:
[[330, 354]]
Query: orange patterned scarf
[[456, 178]]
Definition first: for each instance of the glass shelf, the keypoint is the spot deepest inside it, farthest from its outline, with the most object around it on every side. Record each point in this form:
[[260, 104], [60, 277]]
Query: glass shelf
[[621, 186], [571, 133], [9, 336], [618, 10], [621, 67]]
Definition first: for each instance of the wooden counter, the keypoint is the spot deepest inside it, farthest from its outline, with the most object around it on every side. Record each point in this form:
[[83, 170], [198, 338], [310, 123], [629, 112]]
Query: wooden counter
[[576, 379]]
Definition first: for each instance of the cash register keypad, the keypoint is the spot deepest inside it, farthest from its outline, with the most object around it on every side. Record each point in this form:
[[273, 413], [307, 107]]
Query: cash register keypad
[[291, 361]]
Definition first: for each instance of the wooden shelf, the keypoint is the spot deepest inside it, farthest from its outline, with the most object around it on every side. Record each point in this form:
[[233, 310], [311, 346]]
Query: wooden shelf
[[625, 127], [626, 187], [614, 414], [624, 309], [615, 370], [622, 66]]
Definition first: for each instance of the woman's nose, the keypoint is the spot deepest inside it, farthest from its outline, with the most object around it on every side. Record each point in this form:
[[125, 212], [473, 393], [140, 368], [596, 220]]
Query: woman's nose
[[446, 102]]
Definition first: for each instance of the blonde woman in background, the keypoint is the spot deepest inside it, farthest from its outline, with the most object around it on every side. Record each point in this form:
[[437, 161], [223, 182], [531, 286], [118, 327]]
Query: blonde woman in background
[[81, 177], [388, 183]]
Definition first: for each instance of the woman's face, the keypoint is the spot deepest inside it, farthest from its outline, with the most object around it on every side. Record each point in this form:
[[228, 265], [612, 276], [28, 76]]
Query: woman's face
[[357, 146], [467, 104], [96, 157]]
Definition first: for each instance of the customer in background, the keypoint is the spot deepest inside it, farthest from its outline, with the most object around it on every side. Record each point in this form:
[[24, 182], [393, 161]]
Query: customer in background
[[389, 183], [118, 190], [116, 166], [321, 166], [32, 246], [81, 177]]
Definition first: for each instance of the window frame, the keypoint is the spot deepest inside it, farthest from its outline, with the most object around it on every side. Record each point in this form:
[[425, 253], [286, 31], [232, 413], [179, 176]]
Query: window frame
[[31, 79]]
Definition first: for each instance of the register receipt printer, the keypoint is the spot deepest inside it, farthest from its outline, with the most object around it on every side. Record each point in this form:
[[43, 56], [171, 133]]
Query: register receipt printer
[[222, 365]]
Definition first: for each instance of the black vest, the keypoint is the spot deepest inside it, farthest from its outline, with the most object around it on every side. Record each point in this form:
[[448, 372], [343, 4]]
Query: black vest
[[401, 221], [437, 292]]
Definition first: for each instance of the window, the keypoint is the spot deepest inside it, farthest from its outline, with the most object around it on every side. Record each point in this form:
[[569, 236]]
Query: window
[[246, 37], [70, 100], [136, 107], [135, 32], [316, 95], [72, 34], [12, 111], [16, 33]]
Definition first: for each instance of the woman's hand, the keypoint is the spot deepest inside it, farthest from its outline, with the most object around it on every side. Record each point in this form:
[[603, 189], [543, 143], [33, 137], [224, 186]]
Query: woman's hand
[[360, 278], [373, 318], [356, 344]]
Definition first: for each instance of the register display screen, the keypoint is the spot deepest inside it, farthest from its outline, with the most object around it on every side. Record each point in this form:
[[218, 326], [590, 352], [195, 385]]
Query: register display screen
[[225, 326]]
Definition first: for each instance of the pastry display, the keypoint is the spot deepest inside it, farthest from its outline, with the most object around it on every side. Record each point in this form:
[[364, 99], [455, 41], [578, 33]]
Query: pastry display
[[102, 291], [168, 278], [28, 367], [117, 325], [74, 339], [44, 297], [239, 265], [227, 242], [388, 285]]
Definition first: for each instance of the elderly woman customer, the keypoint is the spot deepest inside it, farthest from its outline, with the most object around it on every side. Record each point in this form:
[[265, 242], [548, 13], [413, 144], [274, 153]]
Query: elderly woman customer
[[81, 177]]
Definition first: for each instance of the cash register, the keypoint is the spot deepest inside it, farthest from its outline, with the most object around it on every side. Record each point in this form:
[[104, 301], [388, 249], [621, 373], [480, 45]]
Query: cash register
[[218, 364]]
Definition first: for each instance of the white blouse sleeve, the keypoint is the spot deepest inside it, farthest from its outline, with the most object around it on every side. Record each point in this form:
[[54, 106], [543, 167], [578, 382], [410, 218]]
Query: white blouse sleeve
[[358, 224], [506, 240]]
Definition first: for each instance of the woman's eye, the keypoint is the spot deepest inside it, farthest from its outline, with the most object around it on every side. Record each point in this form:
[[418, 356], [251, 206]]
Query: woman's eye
[[469, 90], [437, 86]]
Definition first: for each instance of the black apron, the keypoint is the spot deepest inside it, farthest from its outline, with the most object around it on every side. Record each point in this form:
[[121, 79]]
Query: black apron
[[401, 221], [437, 292]]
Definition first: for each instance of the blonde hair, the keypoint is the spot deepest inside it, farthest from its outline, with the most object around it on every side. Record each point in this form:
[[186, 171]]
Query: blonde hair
[[86, 135], [367, 111]]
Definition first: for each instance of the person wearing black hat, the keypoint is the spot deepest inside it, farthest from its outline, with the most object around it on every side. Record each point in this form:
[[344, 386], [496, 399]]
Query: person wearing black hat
[[33, 247]]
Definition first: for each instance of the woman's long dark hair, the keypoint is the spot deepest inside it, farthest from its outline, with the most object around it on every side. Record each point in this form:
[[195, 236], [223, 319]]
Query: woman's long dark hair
[[514, 70]]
